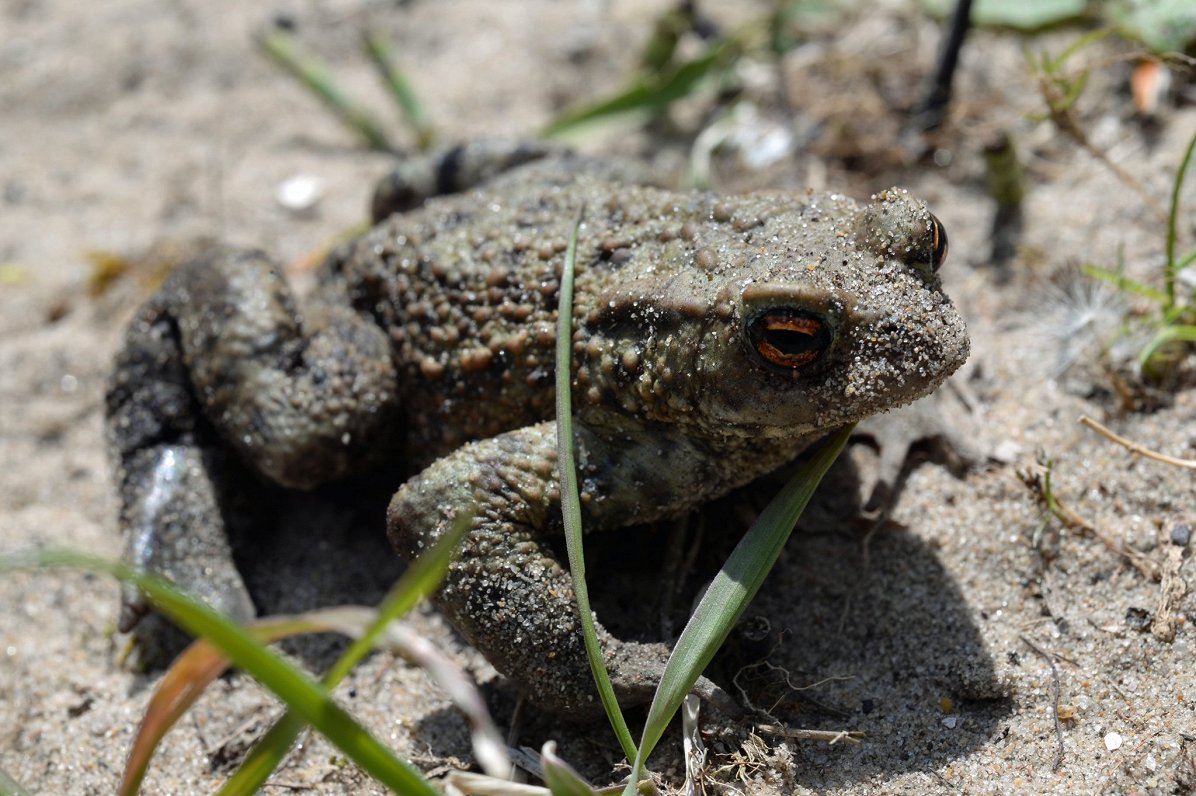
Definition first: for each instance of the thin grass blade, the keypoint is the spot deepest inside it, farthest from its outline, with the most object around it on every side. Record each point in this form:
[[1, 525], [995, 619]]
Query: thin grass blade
[[560, 778], [421, 579], [730, 592], [381, 52], [1185, 261], [283, 49], [489, 747], [571, 502], [309, 699], [481, 785], [1124, 283], [1168, 334], [1173, 219], [182, 684], [185, 681], [648, 93]]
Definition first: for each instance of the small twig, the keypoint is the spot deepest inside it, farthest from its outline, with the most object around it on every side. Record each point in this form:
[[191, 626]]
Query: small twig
[[1040, 484], [1133, 447], [946, 783], [763, 667], [1050, 659], [830, 736]]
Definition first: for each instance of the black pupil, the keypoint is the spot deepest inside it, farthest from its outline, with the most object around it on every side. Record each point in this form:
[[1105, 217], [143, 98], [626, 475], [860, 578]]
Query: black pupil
[[789, 338], [790, 342]]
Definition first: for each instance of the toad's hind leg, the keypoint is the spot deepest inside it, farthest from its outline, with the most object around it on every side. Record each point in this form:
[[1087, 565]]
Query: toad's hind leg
[[217, 371]]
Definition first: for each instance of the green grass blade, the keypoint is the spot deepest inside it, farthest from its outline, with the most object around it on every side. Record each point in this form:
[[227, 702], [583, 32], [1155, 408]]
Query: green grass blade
[[1185, 261], [315, 77], [1124, 283], [730, 592], [267, 753], [650, 92], [308, 698], [10, 787], [1175, 315], [1168, 334], [420, 580], [381, 53], [571, 502], [1173, 220], [559, 777], [1092, 37]]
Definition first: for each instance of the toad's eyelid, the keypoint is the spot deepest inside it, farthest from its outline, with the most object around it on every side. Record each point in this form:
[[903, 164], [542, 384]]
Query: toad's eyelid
[[823, 302]]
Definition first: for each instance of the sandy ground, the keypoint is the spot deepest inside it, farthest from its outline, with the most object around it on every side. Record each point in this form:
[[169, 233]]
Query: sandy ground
[[137, 121]]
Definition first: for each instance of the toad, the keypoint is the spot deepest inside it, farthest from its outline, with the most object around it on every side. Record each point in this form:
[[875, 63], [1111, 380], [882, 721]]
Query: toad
[[715, 337]]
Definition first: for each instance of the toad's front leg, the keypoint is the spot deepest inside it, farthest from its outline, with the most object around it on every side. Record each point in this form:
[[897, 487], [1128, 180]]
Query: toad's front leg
[[505, 591]]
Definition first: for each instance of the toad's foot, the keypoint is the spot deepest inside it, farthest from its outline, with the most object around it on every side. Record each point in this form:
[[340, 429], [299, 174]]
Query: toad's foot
[[895, 434]]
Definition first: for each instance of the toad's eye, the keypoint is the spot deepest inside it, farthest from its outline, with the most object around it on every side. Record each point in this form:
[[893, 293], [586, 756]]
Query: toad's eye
[[789, 338], [938, 243]]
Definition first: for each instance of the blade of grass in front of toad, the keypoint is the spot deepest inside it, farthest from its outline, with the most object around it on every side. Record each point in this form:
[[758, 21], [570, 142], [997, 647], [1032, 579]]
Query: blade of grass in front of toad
[[571, 501], [560, 778], [420, 580], [730, 592], [307, 697], [184, 682]]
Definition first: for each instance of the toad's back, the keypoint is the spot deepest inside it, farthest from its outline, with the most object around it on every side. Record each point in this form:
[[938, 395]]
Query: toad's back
[[466, 287]]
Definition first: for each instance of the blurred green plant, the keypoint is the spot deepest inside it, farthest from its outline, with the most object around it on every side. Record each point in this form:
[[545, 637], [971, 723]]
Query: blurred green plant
[[10, 787], [286, 51], [1171, 328], [667, 74], [1159, 25], [724, 599], [1061, 85], [1021, 15]]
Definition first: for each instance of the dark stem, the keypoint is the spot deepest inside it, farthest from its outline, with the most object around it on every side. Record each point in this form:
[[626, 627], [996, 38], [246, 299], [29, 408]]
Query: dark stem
[[930, 112]]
